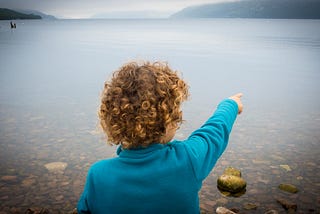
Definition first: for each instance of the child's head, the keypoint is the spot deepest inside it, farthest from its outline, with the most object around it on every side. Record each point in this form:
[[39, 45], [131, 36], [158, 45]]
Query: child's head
[[140, 104]]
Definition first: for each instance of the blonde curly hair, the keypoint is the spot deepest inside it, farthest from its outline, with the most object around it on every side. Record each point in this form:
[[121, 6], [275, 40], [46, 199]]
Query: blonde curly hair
[[140, 102]]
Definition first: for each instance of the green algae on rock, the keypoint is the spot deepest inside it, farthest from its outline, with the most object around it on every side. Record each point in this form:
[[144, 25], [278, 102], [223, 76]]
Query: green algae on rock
[[232, 171], [231, 183]]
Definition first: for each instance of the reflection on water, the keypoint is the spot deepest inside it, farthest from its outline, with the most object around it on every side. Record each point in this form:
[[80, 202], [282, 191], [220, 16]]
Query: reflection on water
[[51, 79]]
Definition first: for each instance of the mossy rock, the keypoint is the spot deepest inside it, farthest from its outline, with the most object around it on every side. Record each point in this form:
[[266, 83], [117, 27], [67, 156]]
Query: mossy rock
[[250, 206], [229, 194], [232, 171], [288, 188], [231, 183]]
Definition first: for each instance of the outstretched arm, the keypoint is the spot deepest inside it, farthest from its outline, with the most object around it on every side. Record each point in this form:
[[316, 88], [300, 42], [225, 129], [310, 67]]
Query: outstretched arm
[[206, 144]]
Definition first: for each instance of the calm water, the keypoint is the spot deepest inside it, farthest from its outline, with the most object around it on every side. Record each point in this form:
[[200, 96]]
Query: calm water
[[52, 73]]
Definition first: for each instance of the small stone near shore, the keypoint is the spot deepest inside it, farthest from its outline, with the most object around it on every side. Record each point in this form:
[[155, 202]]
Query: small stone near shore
[[286, 167], [231, 183], [9, 178], [37, 210], [223, 210], [28, 182], [250, 206], [272, 212], [288, 205], [288, 188], [56, 167], [74, 211]]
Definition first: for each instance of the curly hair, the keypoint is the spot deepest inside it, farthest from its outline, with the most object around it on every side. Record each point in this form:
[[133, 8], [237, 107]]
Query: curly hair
[[140, 102]]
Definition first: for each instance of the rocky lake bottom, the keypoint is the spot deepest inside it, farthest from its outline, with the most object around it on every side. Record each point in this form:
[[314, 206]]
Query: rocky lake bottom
[[44, 161]]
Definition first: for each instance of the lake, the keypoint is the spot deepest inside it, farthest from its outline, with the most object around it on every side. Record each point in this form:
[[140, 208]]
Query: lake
[[52, 74]]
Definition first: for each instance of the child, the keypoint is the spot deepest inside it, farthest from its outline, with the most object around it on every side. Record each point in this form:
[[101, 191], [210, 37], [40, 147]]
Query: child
[[140, 112]]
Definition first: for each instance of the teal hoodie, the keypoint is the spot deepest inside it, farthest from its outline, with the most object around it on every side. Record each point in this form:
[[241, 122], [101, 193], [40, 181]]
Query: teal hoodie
[[162, 178]]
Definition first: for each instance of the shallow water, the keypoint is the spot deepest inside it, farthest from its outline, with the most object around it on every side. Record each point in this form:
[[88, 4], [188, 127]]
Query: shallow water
[[52, 73]]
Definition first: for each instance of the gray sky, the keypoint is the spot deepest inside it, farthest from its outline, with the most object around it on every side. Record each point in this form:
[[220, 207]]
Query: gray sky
[[88, 8]]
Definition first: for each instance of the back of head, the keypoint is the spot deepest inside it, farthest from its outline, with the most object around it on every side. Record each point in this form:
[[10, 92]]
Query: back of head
[[140, 102]]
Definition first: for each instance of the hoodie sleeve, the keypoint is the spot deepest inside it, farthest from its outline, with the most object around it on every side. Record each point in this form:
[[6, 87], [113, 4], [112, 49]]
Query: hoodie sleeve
[[205, 145]]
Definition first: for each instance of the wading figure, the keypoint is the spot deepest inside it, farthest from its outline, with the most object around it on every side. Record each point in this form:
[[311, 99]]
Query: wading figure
[[13, 25]]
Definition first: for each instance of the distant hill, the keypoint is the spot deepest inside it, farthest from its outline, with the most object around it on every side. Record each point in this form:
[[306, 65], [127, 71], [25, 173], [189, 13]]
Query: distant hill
[[35, 12], [144, 14], [274, 9], [7, 14]]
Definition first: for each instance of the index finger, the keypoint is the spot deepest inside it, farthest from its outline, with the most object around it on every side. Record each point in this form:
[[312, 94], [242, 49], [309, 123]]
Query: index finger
[[240, 94]]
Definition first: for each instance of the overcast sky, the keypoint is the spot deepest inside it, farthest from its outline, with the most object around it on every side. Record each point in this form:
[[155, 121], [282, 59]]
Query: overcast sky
[[89, 8]]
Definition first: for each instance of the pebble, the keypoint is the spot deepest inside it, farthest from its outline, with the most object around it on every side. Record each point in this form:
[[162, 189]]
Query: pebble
[[37, 210], [286, 167], [271, 212], [65, 183], [223, 210], [56, 166], [222, 201], [59, 198], [28, 182], [4, 197], [250, 206], [9, 178], [288, 188], [288, 205]]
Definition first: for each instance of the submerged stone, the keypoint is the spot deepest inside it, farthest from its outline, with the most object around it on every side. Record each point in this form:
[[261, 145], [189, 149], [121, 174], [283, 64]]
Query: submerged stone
[[271, 212], [288, 188], [56, 166], [288, 205], [223, 210], [28, 182], [231, 183], [37, 210], [9, 178], [286, 167], [250, 206]]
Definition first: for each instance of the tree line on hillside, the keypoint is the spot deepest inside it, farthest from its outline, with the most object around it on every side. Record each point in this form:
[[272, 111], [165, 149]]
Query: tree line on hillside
[[275, 9], [7, 14]]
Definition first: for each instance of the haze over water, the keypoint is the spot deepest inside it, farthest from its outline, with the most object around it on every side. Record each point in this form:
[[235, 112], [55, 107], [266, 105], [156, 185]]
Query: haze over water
[[52, 74]]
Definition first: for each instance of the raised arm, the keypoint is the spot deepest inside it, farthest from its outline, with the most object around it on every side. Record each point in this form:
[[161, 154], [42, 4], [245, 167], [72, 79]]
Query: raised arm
[[206, 144]]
